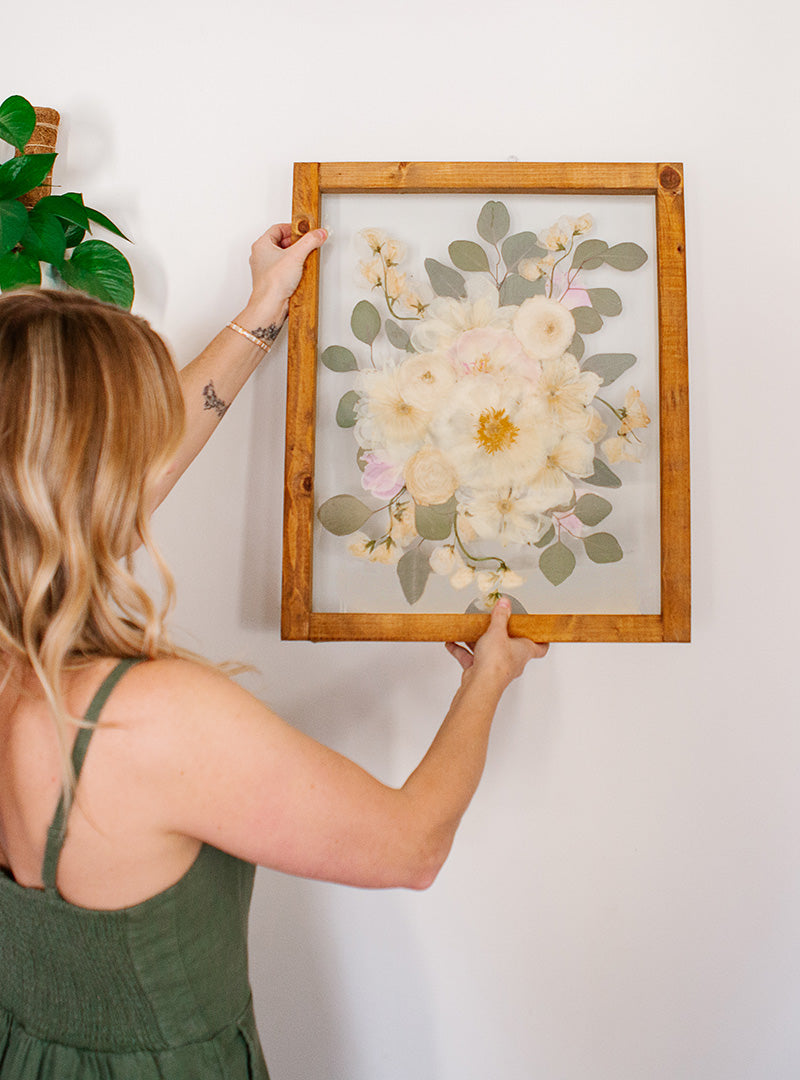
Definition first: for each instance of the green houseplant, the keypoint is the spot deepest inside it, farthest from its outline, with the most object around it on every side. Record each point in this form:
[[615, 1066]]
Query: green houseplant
[[56, 231]]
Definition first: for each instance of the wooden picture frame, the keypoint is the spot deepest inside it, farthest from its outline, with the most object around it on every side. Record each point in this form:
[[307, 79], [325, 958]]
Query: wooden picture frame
[[662, 185]]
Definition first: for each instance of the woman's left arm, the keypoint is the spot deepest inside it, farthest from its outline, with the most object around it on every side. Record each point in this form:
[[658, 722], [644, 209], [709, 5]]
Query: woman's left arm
[[211, 381]]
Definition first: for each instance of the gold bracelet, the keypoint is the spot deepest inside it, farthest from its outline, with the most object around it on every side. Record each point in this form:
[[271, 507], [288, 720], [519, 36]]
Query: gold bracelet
[[262, 344]]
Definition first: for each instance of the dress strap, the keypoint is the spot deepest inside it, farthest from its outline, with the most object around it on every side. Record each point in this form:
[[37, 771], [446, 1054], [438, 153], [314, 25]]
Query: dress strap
[[57, 832]]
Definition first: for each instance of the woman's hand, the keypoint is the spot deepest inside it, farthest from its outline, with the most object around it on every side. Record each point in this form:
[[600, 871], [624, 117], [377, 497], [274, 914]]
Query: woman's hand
[[276, 262], [495, 653]]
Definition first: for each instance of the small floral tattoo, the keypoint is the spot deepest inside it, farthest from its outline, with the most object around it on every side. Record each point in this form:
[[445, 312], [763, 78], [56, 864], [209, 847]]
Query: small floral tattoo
[[211, 401], [268, 333]]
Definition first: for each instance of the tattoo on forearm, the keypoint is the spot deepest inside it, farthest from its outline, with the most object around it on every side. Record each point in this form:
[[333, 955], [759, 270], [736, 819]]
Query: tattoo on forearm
[[211, 401], [267, 333]]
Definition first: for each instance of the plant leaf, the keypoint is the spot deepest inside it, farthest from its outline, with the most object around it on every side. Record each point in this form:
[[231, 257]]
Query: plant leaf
[[337, 358], [521, 246], [587, 321], [602, 476], [97, 268], [602, 547], [17, 121], [467, 255], [346, 409], [515, 289], [22, 174], [343, 514], [398, 336], [435, 522], [626, 256], [548, 538], [591, 509], [605, 301], [557, 563], [66, 208], [18, 268], [365, 322], [444, 280], [589, 254], [493, 222], [576, 347], [107, 223], [609, 366], [44, 237], [413, 570], [13, 222]]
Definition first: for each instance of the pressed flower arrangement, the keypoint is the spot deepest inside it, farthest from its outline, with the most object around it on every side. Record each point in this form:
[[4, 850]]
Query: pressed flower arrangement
[[487, 396]]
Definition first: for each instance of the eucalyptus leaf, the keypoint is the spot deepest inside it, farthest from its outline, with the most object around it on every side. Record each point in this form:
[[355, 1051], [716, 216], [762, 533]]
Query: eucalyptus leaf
[[591, 509], [589, 254], [21, 174], [587, 321], [493, 222], [602, 547], [521, 246], [365, 322], [435, 522], [605, 301], [343, 514], [609, 366], [557, 563], [548, 538], [515, 289], [445, 281], [337, 358], [576, 347], [626, 256], [44, 237], [467, 255], [398, 336], [346, 409], [97, 268], [17, 268], [13, 222], [413, 570], [602, 476], [17, 121]]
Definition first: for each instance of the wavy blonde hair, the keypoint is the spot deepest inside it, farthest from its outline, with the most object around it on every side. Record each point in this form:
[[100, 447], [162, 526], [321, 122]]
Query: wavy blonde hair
[[91, 414]]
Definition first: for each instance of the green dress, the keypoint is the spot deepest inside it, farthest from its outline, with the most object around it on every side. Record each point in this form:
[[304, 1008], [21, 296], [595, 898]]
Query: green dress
[[157, 991]]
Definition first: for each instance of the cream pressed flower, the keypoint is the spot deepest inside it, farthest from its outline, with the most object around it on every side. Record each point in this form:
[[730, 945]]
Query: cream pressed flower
[[430, 478], [386, 551], [492, 351], [583, 224], [393, 251], [492, 582], [374, 239], [444, 560], [544, 327], [462, 577], [402, 528], [510, 516], [372, 272], [386, 417], [558, 236], [570, 455], [529, 269], [634, 414], [425, 379], [597, 426], [395, 283], [358, 545], [565, 391], [619, 448], [447, 318]]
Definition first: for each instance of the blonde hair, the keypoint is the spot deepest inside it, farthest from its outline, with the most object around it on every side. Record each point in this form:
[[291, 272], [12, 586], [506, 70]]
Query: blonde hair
[[91, 414]]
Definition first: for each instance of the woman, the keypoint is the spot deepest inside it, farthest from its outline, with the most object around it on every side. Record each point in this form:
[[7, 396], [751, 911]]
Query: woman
[[128, 840]]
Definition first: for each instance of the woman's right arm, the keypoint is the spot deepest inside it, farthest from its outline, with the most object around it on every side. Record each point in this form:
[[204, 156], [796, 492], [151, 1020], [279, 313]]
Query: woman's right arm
[[231, 773]]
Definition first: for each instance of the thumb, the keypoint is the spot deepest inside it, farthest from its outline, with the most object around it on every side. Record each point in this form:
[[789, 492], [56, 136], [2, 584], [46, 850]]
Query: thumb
[[309, 242], [500, 614]]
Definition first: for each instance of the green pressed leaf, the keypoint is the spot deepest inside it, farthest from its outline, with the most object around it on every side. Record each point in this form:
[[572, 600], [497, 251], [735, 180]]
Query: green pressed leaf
[[18, 269], [97, 268], [445, 281], [66, 208], [493, 222], [413, 570], [435, 522], [44, 237], [557, 563], [548, 538], [603, 476], [22, 174], [605, 301], [13, 222], [17, 121], [521, 246], [360, 459], [467, 255], [626, 256], [587, 321], [343, 514], [602, 547], [515, 289], [346, 410], [365, 322], [590, 254], [609, 366], [576, 347], [591, 509], [397, 336], [337, 358]]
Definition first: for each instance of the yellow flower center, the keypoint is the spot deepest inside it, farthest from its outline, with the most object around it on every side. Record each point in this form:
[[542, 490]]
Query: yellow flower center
[[483, 362], [496, 431]]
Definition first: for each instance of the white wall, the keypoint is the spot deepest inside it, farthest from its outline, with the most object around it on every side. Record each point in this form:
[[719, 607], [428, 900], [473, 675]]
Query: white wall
[[622, 900]]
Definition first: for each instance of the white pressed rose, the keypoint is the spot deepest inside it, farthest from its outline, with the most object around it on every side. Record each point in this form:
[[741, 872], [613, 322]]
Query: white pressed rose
[[425, 379], [386, 418], [497, 352], [447, 318], [444, 560], [544, 327], [462, 577], [565, 391], [430, 477], [529, 269]]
